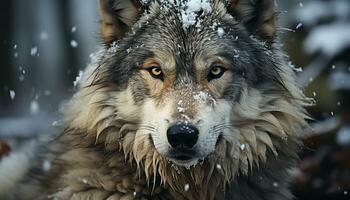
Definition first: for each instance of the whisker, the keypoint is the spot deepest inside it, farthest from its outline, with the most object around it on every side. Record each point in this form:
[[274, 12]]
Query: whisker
[[221, 128], [147, 125], [147, 129], [222, 124]]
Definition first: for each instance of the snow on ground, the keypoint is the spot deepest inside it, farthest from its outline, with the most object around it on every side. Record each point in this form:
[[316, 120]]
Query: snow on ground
[[12, 169], [329, 39], [25, 127], [313, 11], [339, 80]]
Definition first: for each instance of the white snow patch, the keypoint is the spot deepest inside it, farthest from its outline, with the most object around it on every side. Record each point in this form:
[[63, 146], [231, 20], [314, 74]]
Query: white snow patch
[[44, 35], [74, 29], [328, 39], [242, 147], [343, 136], [339, 80], [181, 109], [54, 123], [113, 48], [34, 51], [187, 187], [12, 94], [189, 9], [34, 107], [221, 32], [314, 11], [46, 165], [297, 69], [201, 96], [78, 78], [74, 43], [299, 26], [12, 169]]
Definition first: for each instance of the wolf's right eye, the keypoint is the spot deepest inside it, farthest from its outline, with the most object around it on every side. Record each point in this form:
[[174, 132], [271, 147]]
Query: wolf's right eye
[[156, 72]]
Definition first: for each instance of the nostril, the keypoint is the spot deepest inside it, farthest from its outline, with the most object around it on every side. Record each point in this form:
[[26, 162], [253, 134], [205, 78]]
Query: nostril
[[182, 135]]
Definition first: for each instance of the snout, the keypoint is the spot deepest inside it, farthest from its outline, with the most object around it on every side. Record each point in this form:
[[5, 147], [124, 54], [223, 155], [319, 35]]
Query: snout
[[182, 137]]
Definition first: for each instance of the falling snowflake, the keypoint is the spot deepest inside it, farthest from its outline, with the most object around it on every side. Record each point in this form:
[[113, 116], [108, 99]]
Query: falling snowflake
[[74, 43], [78, 78], [34, 51], [44, 35], [12, 94], [187, 187], [299, 26], [74, 29], [46, 165], [221, 32], [34, 107]]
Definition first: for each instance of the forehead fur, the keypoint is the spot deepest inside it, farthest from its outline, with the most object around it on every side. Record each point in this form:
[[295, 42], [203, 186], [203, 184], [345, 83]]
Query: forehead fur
[[160, 32]]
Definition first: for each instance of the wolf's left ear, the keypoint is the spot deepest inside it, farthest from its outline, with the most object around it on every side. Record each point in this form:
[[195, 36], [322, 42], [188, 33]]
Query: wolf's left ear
[[117, 16], [258, 16]]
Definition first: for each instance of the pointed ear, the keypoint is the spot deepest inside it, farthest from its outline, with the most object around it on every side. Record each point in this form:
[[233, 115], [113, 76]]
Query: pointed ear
[[259, 16], [117, 16]]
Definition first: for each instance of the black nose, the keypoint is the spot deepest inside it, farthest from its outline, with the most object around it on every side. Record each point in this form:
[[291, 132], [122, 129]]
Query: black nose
[[182, 135]]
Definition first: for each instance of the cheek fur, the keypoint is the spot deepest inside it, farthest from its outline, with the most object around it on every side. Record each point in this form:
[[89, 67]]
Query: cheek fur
[[154, 85], [217, 87]]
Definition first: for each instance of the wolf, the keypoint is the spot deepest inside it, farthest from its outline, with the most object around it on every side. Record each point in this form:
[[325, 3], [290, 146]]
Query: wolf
[[185, 99]]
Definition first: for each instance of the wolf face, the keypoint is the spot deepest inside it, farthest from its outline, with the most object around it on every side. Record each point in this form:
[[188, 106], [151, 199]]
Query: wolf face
[[199, 88], [186, 76]]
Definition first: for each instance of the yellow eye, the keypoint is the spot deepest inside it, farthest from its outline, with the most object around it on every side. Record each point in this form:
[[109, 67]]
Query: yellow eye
[[215, 72], [156, 72]]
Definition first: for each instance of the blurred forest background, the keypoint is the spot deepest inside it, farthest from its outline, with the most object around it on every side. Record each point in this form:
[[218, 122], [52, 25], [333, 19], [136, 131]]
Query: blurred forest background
[[45, 43]]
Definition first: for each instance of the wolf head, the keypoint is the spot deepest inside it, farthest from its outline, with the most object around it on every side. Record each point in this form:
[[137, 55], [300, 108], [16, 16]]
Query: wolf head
[[196, 87]]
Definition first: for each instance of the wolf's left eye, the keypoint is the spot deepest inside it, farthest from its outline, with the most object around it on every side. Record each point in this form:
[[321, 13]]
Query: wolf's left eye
[[215, 72], [156, 72]]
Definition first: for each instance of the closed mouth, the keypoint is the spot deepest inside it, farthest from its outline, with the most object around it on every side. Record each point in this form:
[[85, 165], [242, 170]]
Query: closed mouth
[[182, 154], [182, 157]]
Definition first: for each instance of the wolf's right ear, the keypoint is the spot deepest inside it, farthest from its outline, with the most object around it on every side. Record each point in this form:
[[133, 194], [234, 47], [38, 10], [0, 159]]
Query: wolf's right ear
[[117, 16]]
